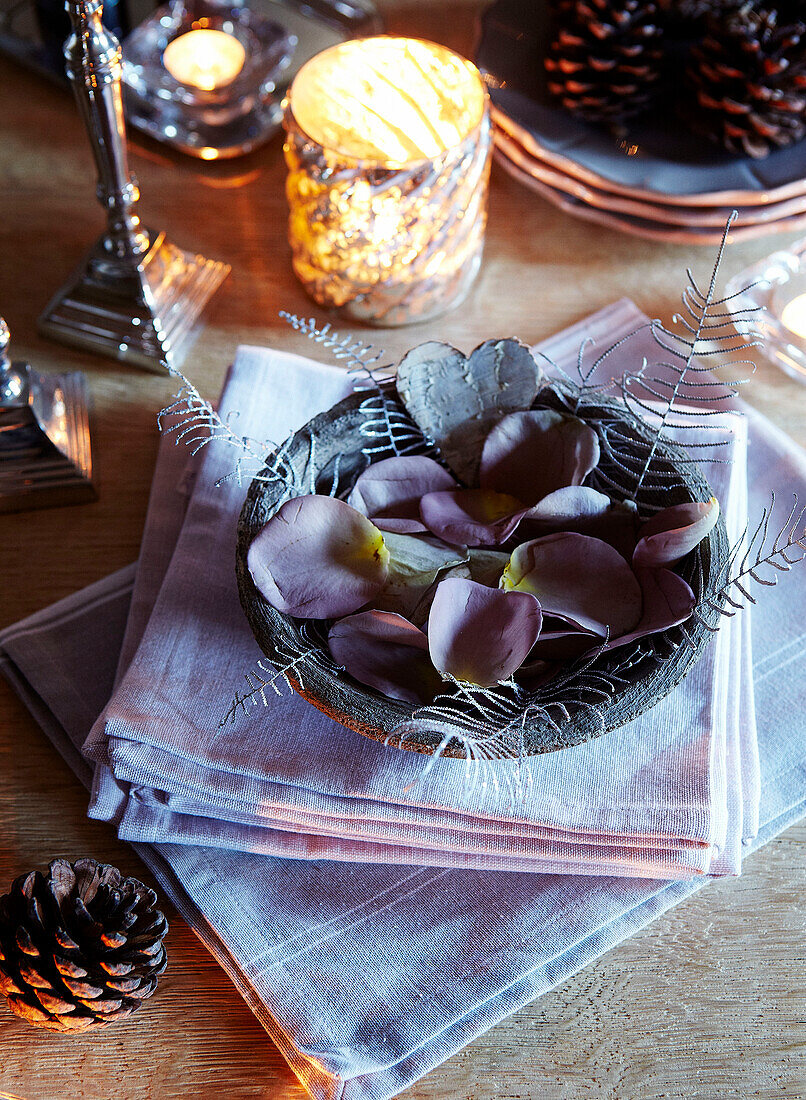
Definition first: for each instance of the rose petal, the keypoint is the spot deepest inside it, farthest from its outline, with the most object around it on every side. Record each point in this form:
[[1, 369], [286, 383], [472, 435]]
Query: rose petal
[[579, 578], [385, 652], [571, 504], [389, 492], [672, 533], [587, 512], [481, 635], [415, 563], [534, 673], [471, 517], [531, 454], [317, 558], [668, 601], [562, 641], [486, 566]]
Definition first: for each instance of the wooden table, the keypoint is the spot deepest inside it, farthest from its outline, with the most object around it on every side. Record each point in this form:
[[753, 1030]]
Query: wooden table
[[707, 1002]]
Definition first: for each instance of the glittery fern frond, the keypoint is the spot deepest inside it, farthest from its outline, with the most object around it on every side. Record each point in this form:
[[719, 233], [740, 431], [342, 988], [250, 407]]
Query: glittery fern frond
[[759, 560]]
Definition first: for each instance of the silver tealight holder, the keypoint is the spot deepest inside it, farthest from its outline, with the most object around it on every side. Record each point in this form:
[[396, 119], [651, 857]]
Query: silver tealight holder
[[45, 454], [202, 75], [136, 296]]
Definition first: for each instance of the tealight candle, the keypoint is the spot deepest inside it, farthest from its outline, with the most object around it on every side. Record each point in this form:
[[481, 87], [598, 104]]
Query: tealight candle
[[204, 59], [388, 148], [793, 316]]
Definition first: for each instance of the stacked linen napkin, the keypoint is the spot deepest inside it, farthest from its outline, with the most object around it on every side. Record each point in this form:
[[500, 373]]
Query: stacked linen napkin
[[659, 797], [368, 976]]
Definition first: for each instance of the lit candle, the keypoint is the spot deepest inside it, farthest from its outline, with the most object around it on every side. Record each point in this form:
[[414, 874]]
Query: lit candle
[[204, 59], [793, 315], [388, 148]]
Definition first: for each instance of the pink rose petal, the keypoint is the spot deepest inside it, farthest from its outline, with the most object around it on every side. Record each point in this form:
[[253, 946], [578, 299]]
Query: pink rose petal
[[674, 532], [534, 673], [531, 454], [486, 566], [578, 578], [471, 517], [667, 601], [389, 492], [587, 512], [481, 635], [562, 641], [415, 563], [571, 504], [317, 558], [385, 652]]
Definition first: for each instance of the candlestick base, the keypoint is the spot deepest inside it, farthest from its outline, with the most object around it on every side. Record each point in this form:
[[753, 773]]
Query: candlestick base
[[142, 311], [45, 452]]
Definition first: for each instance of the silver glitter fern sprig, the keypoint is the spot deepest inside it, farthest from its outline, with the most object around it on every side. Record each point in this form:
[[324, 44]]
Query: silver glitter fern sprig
[[681, 392], [267, 677], [193, 420], [388, 429], [759, 560]]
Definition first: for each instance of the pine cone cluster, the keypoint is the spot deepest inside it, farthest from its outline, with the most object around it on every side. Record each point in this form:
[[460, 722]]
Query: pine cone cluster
[[748, 78], [745, 66], [81, 947]]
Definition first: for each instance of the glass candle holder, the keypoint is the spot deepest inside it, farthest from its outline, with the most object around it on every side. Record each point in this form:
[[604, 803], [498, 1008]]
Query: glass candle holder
[[388, 144], [202, 74], [777, 287]]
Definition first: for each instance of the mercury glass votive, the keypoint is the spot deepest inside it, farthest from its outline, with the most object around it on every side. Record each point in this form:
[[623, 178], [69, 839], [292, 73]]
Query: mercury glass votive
[[777, 287], [388, 144]]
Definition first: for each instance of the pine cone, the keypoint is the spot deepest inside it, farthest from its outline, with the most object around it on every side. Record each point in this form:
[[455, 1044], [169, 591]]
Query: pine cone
[[605, 60], [748, 78], [688, 10], [80, 948]]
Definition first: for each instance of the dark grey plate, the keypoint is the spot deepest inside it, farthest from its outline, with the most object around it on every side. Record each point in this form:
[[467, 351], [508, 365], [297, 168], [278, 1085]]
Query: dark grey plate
[[626, 684], [655, 157]]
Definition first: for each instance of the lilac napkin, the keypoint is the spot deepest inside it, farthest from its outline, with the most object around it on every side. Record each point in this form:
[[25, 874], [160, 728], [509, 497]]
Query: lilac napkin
[[288, 781], [368, 976]]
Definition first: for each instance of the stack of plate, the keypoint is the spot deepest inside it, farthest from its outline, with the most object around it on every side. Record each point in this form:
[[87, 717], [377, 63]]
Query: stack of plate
[[656, 179]]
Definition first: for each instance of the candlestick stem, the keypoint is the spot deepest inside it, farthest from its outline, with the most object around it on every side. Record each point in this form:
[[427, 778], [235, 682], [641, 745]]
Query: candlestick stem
[[136, 296], [93, 57]]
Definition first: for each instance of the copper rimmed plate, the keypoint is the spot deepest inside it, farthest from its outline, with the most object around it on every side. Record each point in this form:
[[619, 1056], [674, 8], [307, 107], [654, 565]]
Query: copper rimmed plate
[[641, 227], [665, 213], [656, 159]]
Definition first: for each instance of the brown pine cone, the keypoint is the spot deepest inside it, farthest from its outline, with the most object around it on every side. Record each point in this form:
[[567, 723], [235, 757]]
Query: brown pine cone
[[747, 78], [604, 63], [688, 10], [80, 948]]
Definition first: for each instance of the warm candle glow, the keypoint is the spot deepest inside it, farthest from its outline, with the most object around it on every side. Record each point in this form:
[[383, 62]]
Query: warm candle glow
[[204, 59], [793, 315], [389, 100], [388, 150]]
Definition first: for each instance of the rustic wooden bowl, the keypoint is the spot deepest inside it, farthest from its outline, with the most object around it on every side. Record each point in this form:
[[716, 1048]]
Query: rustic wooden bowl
[[327, 455]]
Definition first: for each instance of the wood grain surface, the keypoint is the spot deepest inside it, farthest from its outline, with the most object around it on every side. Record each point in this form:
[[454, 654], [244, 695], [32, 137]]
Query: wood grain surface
[[709, 1001]]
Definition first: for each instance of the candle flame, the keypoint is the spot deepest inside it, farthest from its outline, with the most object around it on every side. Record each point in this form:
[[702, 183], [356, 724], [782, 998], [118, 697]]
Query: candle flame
[[204, 59]]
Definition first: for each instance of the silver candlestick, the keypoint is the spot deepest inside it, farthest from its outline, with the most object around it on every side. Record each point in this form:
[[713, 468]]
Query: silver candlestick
[[136, 296]]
